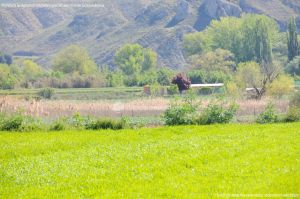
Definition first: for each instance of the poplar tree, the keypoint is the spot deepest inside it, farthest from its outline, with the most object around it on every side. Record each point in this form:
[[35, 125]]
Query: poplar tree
[[293, 45]]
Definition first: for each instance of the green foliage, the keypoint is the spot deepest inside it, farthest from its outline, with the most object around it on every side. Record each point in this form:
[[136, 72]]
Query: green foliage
[[20, 123], [147, 78], [197, 76], [181, 112], [106, 124], [293, 114], [295, 101], [249, 75], [206, 77], [164, 76], [217, 114], [249, 38], [269, 115], [196, 43], [293, 67], [58, 125], [172, 90], [259, 78], [5, 59], [283, 85], [31, 70], [258, 33], [133, 58], [218, 60], [46, 93], [115, 79], [7, 78], [292, 39], [74, 59]]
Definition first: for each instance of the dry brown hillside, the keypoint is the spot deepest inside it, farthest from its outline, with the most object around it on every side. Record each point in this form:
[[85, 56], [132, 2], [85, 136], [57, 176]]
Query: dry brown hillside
[[157, 24]]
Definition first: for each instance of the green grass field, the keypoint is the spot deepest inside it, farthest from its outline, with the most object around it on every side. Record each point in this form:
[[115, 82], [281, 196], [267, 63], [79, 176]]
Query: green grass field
[[173, 162]]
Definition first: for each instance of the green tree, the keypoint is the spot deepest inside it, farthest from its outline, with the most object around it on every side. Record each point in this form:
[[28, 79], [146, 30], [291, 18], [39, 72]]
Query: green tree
[[249, 38], [136, 62], [164, 76], [256, 76], [292, 38], [133, 58], [218, 60], [31, 70], [196, 43], [281, 86], [5, 59], [293, 67], [259, 32], [74, 59], [7, 78]]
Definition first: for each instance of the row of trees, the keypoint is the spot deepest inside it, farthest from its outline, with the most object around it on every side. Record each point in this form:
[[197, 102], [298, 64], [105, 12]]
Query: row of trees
[[74, 67], [240, 50], [235, 51]]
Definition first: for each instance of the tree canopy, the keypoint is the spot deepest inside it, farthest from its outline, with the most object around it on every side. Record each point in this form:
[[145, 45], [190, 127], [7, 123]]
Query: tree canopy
[[249, 38], [292, 39], [74, 59], [133, 58]]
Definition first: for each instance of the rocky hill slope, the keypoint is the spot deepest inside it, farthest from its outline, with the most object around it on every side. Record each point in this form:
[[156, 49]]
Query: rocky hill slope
[[157, 24]]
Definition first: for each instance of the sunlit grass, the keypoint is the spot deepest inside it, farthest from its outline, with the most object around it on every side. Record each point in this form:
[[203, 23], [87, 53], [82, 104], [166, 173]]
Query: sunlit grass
[[174, 162]]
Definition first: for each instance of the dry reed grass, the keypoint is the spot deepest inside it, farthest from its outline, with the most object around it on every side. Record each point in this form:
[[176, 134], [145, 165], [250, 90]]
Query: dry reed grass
[[138, 107]]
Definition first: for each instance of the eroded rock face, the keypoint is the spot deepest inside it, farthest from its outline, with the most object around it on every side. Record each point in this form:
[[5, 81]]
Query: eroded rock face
[[182, 13], [221, 8], [215, 9]]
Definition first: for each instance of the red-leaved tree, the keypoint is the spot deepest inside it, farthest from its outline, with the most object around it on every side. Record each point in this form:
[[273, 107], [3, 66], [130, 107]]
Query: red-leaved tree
[[182, 82]]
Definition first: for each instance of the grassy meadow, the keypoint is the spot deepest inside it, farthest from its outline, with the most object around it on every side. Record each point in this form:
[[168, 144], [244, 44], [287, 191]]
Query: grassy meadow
[[166, 162]]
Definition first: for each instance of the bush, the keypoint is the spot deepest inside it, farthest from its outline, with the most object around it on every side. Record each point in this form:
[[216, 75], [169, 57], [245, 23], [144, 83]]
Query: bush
[[268, 115], [46, 93], [197, 76], [12, 123], [283, 85], [58, 125], [181, 113], [217, 114], [293, 115], [18, 122], [164, 76], [295, 101], [106, 124], [172, 90]]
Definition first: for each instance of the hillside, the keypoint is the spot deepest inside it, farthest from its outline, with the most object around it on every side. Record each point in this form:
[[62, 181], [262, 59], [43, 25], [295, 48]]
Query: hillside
[[156, 24]]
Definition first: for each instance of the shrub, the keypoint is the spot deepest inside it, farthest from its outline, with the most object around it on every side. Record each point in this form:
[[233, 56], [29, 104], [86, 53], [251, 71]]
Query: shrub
[[197, 76], [77, 121], [295, 101], [164, 76], [217, 114], [181, 113], [12, 123], [106, 124], [268, 115], [21, 123], [172, 90], [232, 89], [283, 85], [58, 126], [293, 115], [46, 93]]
